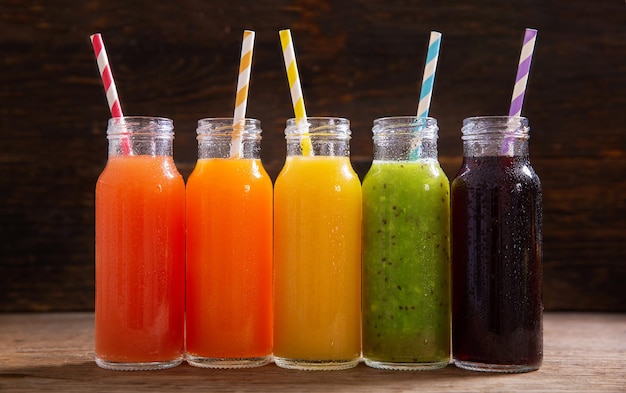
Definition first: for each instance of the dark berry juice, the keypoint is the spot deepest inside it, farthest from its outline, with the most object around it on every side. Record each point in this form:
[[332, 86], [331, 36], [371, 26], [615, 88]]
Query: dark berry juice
[[497, 265]]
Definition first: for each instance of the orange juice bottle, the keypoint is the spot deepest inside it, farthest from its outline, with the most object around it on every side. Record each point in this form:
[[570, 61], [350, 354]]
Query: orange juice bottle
[[317, 250], [229, 249], [140, 249]]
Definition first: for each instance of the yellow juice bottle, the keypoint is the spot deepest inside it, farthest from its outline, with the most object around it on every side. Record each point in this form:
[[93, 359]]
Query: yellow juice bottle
[[317, 251]]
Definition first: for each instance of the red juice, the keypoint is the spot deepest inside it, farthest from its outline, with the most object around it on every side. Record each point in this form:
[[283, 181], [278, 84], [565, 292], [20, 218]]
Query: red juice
[[496, 264], [140, 249]]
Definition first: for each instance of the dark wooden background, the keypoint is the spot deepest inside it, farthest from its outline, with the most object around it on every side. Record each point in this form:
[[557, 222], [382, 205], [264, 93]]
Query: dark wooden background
[[359, 59]]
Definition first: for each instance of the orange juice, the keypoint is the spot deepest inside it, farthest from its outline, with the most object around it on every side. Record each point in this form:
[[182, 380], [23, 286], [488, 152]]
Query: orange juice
[[229, 264], [317, 245], [140, 250]]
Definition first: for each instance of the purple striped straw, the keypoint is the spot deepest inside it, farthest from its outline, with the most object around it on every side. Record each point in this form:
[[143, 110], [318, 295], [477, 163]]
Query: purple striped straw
[[521, 79], [522, 72]]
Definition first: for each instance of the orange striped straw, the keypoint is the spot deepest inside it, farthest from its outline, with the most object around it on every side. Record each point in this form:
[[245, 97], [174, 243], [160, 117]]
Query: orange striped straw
[[241, 100], [295, 87], [108, 82]]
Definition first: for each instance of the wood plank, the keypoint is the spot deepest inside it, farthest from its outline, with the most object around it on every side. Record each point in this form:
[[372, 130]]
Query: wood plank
[[584, 228], [53, 351], [583, 233], [360, 59]]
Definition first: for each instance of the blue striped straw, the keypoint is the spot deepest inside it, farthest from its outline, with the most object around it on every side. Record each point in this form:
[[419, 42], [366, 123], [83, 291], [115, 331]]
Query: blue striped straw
[[523, 69], [428, 81], [429, 74]]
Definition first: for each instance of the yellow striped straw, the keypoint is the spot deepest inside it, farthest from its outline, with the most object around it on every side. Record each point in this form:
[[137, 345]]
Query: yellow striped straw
[[241, 101], [295, 87]]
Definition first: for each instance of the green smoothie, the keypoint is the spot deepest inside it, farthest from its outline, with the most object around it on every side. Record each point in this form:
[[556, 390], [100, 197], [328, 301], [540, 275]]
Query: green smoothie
[[406, 265]]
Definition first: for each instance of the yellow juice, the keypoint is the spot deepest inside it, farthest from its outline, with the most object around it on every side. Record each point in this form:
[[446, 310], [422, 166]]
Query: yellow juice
[[317, 260]]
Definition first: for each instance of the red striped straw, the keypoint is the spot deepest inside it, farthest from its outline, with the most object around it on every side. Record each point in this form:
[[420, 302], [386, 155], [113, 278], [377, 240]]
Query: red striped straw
[[108, 82]]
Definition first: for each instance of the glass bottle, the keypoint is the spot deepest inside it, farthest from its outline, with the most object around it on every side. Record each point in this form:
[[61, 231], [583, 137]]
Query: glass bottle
[[406, 249], [229, 248], [317, 249], [140, 248], [496, 249]]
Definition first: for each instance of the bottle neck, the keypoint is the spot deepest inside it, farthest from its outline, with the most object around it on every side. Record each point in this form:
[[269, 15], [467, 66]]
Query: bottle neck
[[328, 136], [220, 138], [495, 136], [135, 136], [405, 138]]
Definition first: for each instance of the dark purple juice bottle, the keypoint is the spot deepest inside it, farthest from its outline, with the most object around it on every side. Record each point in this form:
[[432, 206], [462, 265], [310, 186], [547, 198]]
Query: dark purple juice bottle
[[496, 250]]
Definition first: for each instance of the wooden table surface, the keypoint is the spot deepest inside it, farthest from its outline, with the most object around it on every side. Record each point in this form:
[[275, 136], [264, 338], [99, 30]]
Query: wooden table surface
[[54, 352]]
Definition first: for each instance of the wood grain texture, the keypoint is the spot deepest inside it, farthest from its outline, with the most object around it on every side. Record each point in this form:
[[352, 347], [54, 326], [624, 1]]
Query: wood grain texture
[[359, 59], [52, 351]]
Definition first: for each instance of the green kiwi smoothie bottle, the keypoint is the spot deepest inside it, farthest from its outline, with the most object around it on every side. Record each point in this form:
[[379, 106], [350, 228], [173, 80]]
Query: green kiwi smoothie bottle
[[406, 249]]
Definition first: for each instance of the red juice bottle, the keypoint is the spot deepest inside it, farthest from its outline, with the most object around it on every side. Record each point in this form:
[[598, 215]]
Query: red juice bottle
[[140, 249], [496, 250]]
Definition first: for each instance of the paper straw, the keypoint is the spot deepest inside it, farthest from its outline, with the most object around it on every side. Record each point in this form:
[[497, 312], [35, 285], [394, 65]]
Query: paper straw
[[241, 100], [109, 84], [521, 80], [107, 76], [428, 79], [295, 87], [522, 72]]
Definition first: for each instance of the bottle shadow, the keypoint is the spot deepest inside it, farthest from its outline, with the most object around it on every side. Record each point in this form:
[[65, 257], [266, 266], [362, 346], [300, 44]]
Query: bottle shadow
[[80, 376]]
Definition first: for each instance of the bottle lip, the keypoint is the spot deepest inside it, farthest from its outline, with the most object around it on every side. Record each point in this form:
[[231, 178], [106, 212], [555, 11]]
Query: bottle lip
[[405, 125], [495, 126], [140, 125], [319, 126], [427, 119], [495, 118], [223, 126]]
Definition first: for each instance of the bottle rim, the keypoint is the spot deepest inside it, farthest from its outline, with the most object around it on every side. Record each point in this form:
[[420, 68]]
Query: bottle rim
[[476, 127], [406, 125], [319, 126], [224, 127], [140, 125]]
